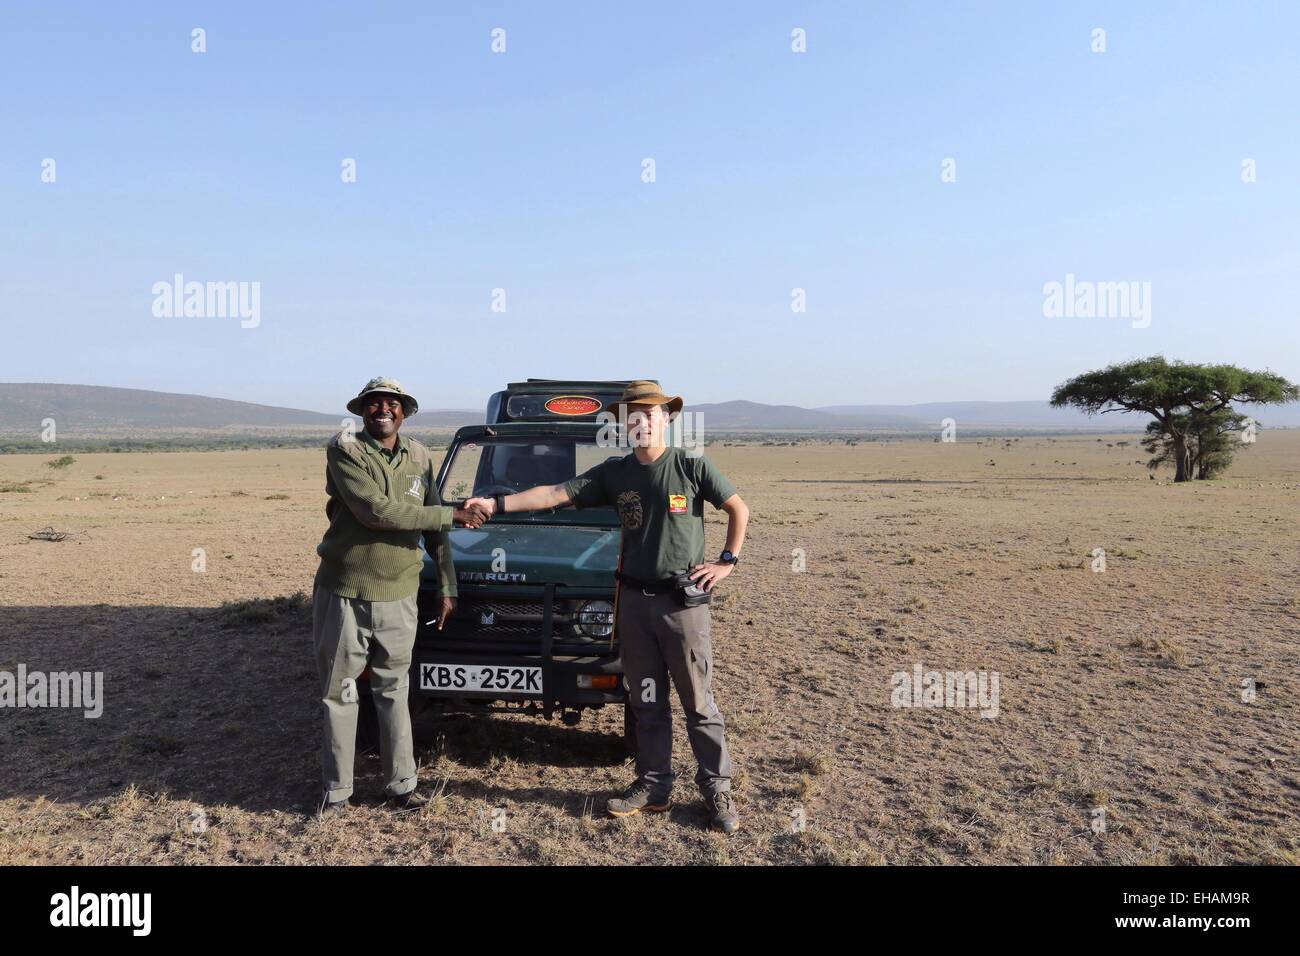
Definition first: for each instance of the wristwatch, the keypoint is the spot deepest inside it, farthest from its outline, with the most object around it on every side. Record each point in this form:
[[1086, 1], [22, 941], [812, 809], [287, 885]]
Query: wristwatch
[[728, 558], [500, 500]]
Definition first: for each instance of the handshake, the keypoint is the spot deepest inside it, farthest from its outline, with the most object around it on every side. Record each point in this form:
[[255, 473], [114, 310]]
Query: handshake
[[474, 511]]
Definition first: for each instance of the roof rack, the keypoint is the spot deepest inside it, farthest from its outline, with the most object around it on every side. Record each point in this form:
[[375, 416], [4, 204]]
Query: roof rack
[[578, 382]]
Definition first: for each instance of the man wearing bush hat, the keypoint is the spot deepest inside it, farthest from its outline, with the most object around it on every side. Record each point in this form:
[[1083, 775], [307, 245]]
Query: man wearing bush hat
[[382, 503], [662, 626]]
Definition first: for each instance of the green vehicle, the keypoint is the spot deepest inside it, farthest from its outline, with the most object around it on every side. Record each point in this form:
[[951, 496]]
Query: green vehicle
[[533, 630]]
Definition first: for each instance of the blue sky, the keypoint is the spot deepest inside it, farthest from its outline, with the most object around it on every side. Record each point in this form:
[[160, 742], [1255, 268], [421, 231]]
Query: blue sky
[[522, 171]]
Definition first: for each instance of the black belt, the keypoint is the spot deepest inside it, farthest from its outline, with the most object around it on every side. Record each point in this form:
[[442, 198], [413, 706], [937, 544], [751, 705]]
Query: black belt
[[666, 586]]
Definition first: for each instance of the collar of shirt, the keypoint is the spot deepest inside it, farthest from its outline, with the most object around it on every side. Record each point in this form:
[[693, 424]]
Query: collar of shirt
[[398, 449]]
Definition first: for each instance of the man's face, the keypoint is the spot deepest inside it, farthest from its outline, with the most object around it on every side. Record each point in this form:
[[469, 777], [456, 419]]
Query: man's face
[[383, 415], [646, 425]]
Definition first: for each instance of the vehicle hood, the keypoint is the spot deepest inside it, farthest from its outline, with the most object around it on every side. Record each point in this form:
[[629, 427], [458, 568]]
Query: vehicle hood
[[541, 553]]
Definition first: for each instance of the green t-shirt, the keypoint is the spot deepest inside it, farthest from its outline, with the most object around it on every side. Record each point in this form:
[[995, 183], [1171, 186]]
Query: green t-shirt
[[661, 507]]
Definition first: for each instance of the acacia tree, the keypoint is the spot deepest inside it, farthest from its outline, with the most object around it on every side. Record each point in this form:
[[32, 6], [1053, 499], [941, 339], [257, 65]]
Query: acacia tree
[[1211, 441], [1181, 396]]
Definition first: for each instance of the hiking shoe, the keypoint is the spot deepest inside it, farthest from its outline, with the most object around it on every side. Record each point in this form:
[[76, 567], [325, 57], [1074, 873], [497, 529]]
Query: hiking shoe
[[636, 798], [330, 811], [724, 812], [414, 800]]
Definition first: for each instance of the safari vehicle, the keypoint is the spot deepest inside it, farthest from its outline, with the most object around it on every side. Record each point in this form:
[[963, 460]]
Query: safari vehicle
[[533, 630]]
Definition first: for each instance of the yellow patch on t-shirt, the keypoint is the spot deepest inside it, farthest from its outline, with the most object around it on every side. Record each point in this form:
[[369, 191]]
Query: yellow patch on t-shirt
[[677, 504]]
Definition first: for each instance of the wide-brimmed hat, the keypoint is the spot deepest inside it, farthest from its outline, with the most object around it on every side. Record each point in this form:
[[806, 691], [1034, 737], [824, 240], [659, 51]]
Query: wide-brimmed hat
[[646, 393], [384, 384]]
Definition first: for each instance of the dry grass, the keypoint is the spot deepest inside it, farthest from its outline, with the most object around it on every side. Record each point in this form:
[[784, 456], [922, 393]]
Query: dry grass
[[1120, 691]]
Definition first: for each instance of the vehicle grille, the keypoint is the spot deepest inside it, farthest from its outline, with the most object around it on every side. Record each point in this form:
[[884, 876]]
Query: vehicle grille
[[512, 609], [506, 620]]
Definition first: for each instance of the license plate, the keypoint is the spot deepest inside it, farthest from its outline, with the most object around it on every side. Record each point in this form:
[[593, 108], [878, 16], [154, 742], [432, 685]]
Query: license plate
[[481, 677]]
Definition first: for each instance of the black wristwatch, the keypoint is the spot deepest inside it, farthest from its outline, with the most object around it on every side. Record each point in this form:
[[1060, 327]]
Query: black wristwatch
[[728, 558], [500, 500]]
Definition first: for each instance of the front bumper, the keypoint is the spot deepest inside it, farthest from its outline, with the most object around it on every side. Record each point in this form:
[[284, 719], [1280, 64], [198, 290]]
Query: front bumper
[[561, 661]]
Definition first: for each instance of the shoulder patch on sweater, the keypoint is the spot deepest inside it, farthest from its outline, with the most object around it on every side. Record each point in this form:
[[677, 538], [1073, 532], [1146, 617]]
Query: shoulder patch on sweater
[[346, 441]]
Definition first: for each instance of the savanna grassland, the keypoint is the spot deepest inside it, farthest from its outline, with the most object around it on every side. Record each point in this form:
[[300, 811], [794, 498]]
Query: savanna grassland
[[1121, 690]]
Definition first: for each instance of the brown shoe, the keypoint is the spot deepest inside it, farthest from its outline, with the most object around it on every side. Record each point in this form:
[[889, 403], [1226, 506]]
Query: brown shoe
[[413, 800], [636, 798], [331, 811], [724, 813]]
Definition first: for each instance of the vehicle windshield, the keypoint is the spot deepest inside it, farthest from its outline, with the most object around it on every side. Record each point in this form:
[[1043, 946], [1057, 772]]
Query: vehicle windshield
[[490, 466]]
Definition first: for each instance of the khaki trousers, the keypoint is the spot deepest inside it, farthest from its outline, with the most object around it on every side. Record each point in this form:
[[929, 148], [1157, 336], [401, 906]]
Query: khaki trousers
[[658, 638], [350, 634]]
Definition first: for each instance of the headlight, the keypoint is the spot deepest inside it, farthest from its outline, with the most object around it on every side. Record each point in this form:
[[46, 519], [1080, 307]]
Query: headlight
[[596, 618]]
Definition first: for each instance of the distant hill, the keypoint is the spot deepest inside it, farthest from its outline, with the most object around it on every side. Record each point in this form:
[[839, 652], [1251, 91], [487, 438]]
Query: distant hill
[[1035, 416], [1042, 415], [87, 408], [926, 417], [1007, 414], [741, 414]]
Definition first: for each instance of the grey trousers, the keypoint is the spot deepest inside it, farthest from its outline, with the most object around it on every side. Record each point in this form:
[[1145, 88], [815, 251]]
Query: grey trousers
[[659, 638], [350, 634]]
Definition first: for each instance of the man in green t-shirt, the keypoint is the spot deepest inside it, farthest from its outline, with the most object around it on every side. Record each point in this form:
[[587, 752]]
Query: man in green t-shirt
[[382, 502], [659, 493]]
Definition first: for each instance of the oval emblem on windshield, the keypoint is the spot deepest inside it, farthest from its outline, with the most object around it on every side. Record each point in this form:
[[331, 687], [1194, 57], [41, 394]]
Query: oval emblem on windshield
[[572, 405]]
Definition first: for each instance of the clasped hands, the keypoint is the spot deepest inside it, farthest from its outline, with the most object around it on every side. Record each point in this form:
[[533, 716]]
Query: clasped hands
[[475, 511]]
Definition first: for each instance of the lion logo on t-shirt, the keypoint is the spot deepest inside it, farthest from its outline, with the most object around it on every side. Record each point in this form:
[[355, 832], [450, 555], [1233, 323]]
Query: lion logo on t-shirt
[[629, 509]]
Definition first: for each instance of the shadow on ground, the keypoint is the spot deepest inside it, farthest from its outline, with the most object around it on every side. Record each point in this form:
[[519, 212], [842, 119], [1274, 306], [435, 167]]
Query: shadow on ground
[[217, 705]]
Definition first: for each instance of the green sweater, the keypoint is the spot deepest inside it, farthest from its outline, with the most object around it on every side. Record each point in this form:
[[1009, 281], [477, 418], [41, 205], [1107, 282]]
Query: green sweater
[[380, 505]]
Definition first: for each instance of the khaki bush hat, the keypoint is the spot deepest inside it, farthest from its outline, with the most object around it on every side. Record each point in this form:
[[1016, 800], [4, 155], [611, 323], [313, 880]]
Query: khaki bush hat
[[384, 384], [646, 393]]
